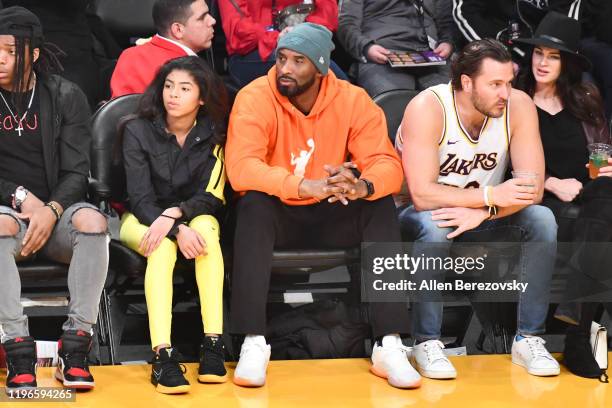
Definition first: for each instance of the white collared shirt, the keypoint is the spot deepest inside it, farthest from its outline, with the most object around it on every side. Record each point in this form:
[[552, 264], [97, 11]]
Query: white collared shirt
[[188, 50]]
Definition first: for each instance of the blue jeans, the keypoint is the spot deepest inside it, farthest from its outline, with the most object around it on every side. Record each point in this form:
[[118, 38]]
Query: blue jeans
[[535, 223], [245, 68]]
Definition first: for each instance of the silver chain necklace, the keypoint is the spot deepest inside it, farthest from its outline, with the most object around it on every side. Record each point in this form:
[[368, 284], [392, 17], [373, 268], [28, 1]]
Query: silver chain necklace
[[19, 122]]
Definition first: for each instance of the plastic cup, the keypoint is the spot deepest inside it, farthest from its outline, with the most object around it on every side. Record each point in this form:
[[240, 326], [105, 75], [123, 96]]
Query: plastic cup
[[599, 153], [526, 174]]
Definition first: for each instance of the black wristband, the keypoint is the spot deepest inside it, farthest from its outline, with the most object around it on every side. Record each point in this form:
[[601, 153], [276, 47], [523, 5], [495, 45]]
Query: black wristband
[[54, 209]]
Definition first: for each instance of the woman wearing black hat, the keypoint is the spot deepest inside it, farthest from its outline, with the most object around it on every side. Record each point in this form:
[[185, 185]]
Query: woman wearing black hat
[[571, 116]]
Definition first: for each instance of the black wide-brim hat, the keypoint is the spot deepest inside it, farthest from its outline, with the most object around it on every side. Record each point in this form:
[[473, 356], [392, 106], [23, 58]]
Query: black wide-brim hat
[[560, 32]]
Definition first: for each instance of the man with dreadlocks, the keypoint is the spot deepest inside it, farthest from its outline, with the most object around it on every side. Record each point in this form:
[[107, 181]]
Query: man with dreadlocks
[[44, 151]]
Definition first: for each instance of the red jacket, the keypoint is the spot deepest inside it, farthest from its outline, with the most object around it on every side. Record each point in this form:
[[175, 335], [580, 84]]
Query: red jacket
[[247, 33], [138, 65]]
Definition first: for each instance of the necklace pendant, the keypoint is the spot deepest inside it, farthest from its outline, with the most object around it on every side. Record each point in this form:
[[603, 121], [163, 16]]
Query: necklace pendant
[[19, 129]]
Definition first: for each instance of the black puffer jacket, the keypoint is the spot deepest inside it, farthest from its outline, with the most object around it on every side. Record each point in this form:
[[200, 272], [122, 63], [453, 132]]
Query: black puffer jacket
[[161, 175], [66, 139]]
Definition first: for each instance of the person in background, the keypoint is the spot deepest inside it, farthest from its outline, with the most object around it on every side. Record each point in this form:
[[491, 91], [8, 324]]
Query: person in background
[[571, 116], [184, 27], [370, 28], [252, 35]]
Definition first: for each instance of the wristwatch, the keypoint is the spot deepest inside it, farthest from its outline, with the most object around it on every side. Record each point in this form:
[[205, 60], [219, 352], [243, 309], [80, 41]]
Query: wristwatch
[[369, 186], [21, 193]]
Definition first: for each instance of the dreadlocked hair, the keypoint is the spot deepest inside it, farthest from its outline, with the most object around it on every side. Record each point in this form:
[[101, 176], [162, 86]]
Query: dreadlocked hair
[[46, 64]]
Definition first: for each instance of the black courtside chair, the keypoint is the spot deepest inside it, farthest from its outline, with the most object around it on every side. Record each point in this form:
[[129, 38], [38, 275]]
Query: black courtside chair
[[393, 103]]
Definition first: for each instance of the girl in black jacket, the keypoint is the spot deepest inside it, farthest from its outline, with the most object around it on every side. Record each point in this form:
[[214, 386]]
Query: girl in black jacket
[[173, 159]]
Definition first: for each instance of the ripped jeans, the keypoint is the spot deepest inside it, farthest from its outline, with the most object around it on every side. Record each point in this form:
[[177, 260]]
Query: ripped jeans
[[87, 255]]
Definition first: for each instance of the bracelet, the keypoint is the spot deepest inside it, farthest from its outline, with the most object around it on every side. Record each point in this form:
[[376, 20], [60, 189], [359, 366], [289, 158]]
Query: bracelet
[[168, 216], [55, 210], [486, 196], [492, 212]]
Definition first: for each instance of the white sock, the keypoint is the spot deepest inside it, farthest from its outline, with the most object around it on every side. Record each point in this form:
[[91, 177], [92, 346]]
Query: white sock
[[255, 339], [391, 340]]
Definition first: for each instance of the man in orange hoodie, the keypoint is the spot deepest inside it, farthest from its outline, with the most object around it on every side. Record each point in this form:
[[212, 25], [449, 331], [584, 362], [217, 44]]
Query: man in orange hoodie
[[289, 138]]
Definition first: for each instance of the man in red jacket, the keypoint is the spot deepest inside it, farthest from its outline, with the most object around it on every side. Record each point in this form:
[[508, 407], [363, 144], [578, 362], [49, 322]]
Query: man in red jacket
[[252, 34], [184, 27]]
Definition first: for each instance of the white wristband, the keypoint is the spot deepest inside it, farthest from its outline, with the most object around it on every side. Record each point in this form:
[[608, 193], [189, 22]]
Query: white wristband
[[486, 196]]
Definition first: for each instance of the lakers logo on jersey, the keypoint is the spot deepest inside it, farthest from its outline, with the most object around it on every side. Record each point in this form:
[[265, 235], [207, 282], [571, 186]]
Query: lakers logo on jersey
[[467, 161], [463, 167]]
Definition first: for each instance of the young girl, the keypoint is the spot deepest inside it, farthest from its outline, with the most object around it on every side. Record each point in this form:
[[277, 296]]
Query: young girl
[[173, 159], [571, 116]]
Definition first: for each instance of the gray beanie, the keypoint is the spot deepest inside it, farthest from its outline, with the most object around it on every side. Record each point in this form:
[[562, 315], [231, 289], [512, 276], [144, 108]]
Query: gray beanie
[[312, 40]]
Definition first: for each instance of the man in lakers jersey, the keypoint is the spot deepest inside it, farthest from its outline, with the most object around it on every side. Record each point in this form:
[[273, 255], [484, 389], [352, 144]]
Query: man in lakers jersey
[[457, 142]]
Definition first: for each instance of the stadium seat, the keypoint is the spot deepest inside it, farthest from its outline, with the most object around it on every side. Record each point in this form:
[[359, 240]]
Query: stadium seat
[[127, 264], [393, 103]]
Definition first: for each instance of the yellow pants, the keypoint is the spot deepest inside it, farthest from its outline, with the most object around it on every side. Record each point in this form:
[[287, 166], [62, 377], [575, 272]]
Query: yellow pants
[[158, 278]]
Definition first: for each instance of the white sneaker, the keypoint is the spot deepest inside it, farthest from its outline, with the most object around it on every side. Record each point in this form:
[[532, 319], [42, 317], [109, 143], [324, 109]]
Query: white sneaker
[[253, 363], [431, 362], [390, 361], [530, 353]]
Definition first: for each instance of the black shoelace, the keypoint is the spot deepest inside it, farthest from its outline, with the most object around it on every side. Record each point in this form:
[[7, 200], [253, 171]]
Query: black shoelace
[[77, 359], [23, 365], [213, 351], [172, 368]]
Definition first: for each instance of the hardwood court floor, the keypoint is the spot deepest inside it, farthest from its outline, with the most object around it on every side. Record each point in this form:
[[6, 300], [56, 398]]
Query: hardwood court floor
[[484, 381]]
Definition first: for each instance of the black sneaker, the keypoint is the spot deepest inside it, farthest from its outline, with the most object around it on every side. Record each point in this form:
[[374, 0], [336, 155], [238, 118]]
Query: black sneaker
[[212, 361], [72, 366], [20, 363], [167, 373]]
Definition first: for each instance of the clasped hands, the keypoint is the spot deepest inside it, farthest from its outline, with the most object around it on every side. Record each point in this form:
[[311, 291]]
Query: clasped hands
[[341, 185]]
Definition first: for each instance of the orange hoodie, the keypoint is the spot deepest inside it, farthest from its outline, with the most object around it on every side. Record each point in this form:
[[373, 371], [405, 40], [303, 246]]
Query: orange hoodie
[[271, 145]]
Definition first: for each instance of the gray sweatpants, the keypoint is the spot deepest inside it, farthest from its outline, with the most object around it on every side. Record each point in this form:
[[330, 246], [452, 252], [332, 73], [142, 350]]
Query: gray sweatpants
[[87, 255], [379, 78]]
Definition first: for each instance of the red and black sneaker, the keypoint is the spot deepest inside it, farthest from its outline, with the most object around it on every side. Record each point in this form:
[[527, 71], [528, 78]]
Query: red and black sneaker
[[20, 363], [73, 367]]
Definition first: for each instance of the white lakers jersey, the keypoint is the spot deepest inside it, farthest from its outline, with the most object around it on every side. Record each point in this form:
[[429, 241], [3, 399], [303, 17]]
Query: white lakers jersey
[[466, 162]]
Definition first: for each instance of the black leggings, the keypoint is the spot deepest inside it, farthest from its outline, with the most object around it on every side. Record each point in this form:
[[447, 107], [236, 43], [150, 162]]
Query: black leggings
[[593, 225]]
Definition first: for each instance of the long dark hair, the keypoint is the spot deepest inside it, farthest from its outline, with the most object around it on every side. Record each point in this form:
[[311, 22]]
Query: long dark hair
[[582, 99], [212, 92], [47, 63]]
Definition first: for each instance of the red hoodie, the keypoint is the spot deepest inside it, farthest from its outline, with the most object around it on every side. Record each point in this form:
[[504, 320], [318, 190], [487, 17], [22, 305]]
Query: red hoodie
[[271, 145], [249, 32]]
